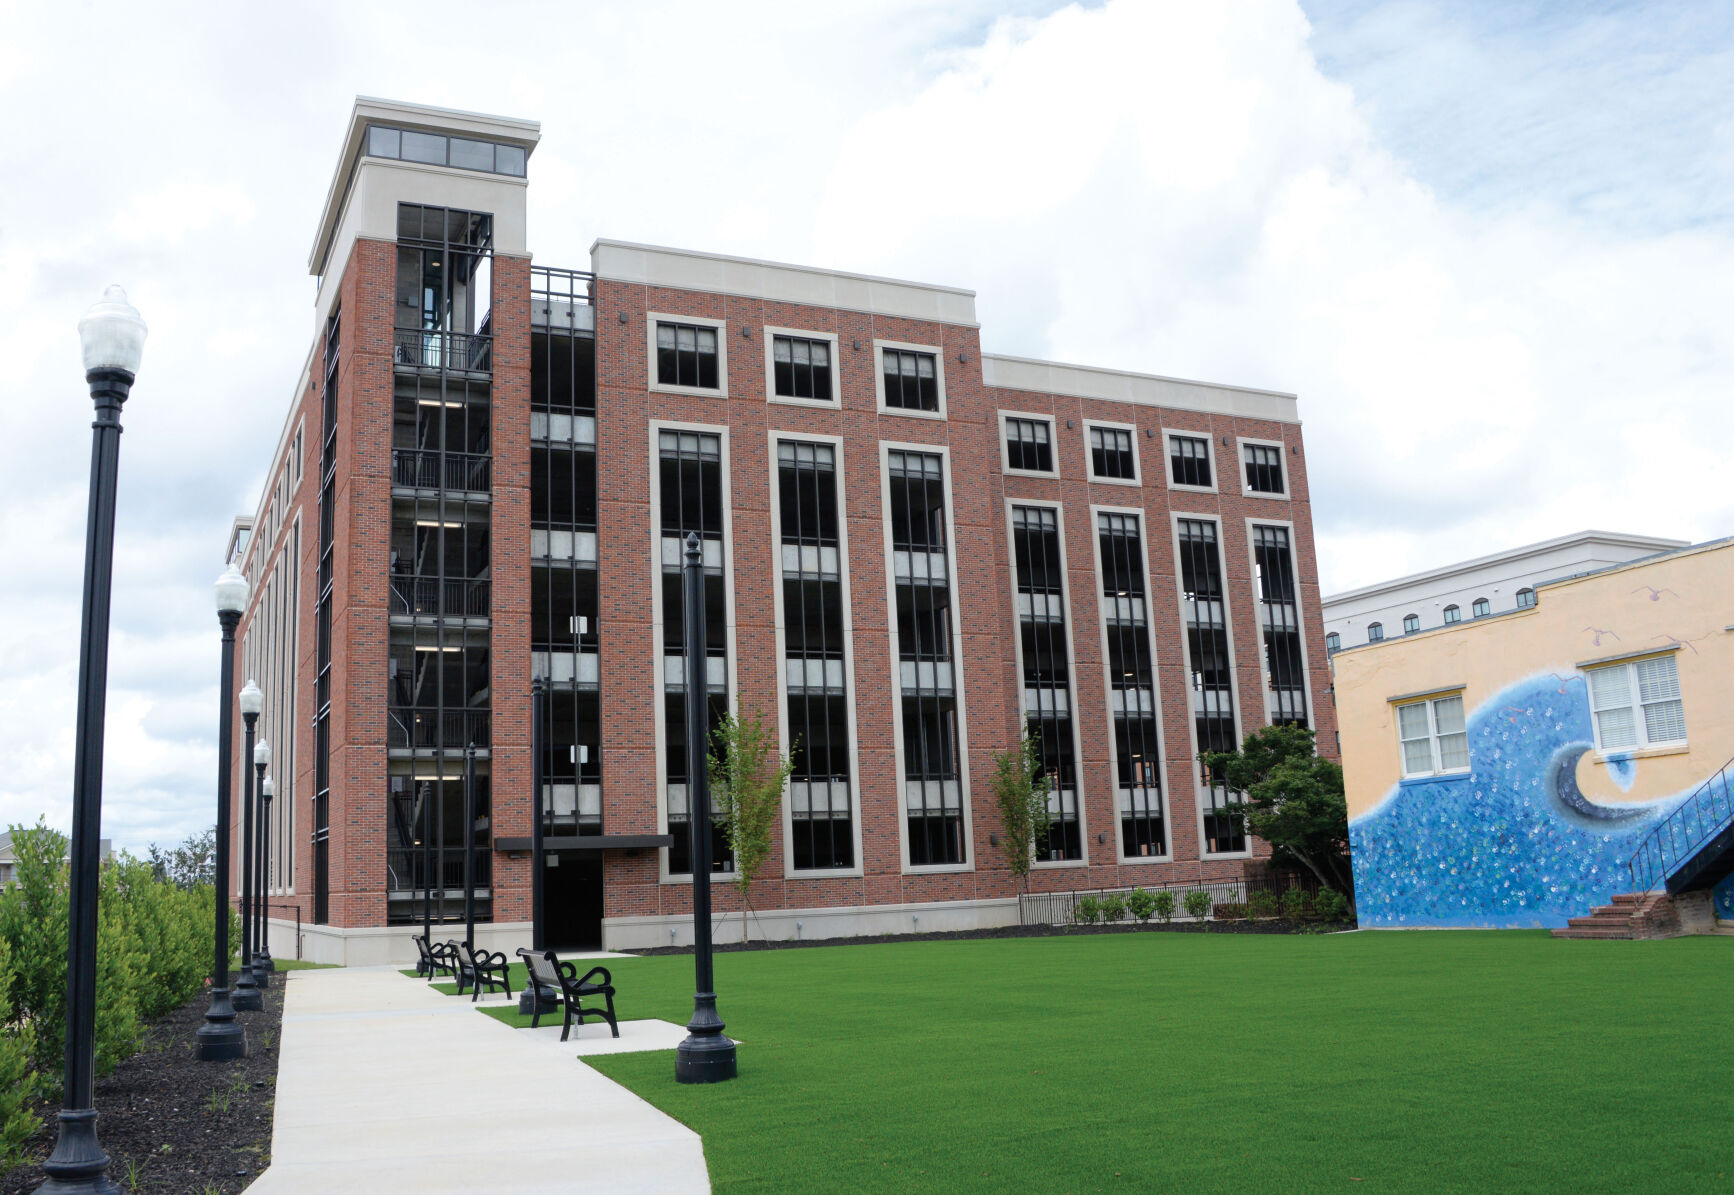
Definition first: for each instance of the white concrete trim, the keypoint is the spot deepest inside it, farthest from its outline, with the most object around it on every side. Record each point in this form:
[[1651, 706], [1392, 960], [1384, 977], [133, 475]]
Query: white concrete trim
[[772, 437], [1164, 786], [833, 403], [886, 447], [659, 713], [651, 319], [1282, 454], [1137, 478], [1005, 444], [1234, 694], [686, 269], [1140, 389], [383, 945], [1079, 784], [1168, 460], [840, 921], [938, 354]]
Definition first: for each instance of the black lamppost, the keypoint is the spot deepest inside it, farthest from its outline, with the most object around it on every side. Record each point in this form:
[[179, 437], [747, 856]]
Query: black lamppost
[[706, 1056], [261, 761], [222, 1037], [427, 866], [246, 997], [112, 336], [470, 847], [536, 997], [265, 963]]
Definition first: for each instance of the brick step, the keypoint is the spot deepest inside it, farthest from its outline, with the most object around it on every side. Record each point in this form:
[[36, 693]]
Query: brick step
[[1599, 934], [1611, 911], [1600, 921], [1629, 898]]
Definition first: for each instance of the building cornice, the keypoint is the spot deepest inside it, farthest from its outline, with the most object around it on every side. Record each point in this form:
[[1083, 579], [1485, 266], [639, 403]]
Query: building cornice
[[1138, 389]]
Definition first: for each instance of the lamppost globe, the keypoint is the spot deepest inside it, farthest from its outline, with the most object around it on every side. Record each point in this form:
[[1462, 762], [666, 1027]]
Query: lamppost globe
[[231, 591], [252, 700], [269, 789], [262, 756], [112, 334]]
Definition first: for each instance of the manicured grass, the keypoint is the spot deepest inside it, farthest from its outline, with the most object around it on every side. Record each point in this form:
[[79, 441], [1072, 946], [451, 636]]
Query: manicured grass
[[1376, 1061], [295, 964]]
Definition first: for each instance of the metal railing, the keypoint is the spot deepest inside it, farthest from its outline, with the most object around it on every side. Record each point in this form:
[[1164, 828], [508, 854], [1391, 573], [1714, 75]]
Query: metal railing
[[451, 730], [406, 868], [1679, 836], [452, 352], [431, 469], [429, 597], [1060, 908]]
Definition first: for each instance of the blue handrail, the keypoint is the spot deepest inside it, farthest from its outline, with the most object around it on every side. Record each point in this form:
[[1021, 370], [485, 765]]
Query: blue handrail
[[1698, 819]]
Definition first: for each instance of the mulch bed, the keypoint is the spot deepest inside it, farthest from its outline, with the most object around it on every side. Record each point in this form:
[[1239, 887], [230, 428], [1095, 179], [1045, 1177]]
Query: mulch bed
[[172, 1124], [1238, 926]]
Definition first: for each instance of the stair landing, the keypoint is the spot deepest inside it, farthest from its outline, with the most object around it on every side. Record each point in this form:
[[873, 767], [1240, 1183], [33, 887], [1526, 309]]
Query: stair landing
[[1642, 916]]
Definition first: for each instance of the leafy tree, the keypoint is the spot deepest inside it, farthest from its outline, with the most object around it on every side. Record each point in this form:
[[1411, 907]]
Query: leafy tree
[[747, 777], [1292, 798], [189, 865], [1020, 793]]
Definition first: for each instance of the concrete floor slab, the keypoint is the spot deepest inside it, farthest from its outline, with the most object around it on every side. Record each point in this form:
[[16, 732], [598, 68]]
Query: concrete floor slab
[[383, 1084], [594, 1037]]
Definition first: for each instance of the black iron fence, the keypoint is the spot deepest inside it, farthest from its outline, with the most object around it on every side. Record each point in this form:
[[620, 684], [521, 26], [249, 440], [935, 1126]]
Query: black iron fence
[[1695, 821], [453, 352], [431, 469], [433, 596], [1061, 908], [406, 870], [450, 729]]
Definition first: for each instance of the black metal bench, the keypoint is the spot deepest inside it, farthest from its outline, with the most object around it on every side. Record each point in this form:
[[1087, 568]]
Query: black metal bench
[[436, 960], [483, 969], [547, 970]]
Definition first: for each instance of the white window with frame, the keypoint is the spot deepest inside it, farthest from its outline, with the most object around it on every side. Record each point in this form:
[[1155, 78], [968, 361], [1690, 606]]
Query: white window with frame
[[1637, 704], [688, 354], [1433, 736], [1113, 452], [909, 379], [801, 367]]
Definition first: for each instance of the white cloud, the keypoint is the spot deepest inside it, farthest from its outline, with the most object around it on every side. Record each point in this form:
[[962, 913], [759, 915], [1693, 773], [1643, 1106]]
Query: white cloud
[[1170, 187]]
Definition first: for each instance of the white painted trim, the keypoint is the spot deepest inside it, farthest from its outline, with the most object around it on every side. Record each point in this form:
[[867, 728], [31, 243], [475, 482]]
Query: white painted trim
[[833, 403], [1234, 694], [651, 319], [1137, 478], [1165, 788], [1168, 460], [1078, 786], [715, 273], [1138, 389], [1433, 734], [384, 945], [1299, 613], [938, 354], [660, 720], [772, 436], [645, 932], [1005, 464], [943, 451], [1282, 454]]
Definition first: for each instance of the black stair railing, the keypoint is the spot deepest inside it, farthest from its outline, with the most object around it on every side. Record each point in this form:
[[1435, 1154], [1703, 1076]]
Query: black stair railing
[[1679, 836]]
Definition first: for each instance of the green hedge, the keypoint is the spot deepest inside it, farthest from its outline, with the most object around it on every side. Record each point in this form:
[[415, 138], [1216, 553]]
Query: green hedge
[[154, 948]]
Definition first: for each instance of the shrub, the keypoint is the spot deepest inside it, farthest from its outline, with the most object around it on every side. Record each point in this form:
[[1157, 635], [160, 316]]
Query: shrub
[[1331, 905], [1087, 910], [1263, 904], [1113, 908], [17, 1123], [1197, 904], [1296, 904], [1231, 911], [1164, 905], [1141, 904]]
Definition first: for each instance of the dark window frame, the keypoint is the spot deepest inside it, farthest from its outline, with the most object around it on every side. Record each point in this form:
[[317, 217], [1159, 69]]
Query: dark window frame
[[1179, 462], [776, 375], [1015, 446], [1260, 461], [1102, 453], [1480, 608], [708, 377], [1411, 623], [911, 394]]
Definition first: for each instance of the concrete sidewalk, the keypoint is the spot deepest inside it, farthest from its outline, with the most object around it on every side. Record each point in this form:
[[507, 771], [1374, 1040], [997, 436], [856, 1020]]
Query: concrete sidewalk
[[384, 1085]]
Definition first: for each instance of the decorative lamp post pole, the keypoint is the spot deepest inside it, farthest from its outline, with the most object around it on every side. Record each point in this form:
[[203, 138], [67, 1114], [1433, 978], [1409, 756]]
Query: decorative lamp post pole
[[262, 962], [706, 1056], [222, 1037], [536, 997], [246, 997], [470, 847], [427, 866], [112, 335]]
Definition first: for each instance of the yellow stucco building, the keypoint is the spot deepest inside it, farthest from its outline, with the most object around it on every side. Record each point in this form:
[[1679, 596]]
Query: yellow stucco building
[[1507, 770]]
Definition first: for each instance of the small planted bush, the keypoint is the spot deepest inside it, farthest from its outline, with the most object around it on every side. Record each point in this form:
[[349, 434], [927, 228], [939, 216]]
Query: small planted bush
[[1231, 911], [1113, 908], [1141, 904], [1296, 904], [1197, 904], [1263, 904], [1164, 905], [1088, 910], [1331, 905]]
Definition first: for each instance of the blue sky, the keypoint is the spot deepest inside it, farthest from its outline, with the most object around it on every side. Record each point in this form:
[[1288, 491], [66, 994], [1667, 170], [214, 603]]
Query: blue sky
[[1489, 245]]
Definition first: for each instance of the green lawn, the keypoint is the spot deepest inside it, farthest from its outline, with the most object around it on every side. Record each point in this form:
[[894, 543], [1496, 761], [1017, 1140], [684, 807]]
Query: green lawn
[[1378, 1061]]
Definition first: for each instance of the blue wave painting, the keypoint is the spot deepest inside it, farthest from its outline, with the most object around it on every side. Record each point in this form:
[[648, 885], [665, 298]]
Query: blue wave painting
[[1512, 843]]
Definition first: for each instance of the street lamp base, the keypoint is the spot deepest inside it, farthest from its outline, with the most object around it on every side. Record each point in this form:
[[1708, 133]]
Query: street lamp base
[[261, 975], [221, 1041], [538, 998], [246, 998], [77, 1164], [706, 1056], [264, 963]]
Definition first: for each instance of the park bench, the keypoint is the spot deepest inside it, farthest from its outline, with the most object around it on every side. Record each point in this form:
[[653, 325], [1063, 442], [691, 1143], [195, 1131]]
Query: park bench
[[548, 971], [436, 960], [482, 968]]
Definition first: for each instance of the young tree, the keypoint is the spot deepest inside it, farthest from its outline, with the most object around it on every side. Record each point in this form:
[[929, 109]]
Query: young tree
[[1020, 792], [747, 777], [1293, 799]]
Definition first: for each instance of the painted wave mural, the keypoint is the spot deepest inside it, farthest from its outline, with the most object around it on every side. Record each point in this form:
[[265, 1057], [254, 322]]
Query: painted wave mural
[[1512, 843]]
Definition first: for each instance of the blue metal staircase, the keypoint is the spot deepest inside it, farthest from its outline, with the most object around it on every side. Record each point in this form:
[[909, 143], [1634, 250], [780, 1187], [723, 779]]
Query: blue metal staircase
[[1693, 847]]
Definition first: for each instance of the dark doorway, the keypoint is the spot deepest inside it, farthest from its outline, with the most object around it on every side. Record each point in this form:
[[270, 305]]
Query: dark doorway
[[574, 900]]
